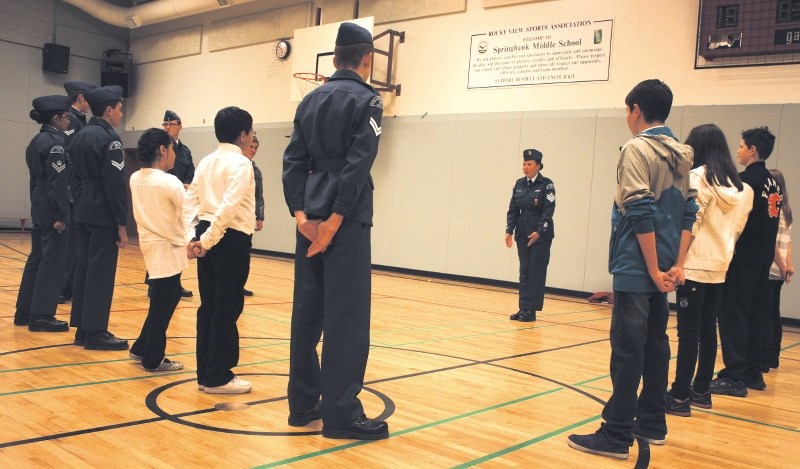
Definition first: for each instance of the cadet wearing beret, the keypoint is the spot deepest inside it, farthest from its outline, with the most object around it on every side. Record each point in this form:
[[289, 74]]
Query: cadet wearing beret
[[530, 220], [77, 120], [101, 213], [45, 155], [330, 196]]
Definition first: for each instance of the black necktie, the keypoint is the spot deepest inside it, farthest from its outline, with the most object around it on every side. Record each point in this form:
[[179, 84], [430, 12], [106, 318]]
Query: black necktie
[[529, 183]]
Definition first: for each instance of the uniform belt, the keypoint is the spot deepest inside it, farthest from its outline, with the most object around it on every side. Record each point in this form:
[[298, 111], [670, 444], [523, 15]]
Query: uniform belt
[[326, 165]]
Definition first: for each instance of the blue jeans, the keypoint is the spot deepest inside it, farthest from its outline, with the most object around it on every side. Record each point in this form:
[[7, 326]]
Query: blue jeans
[[639, 352]]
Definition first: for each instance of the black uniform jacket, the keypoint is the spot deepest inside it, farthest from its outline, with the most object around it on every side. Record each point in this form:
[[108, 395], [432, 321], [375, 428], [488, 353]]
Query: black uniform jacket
[[99, 160], [335, 141], [184, 166], [47, 164], [531, 208], [77, 121]]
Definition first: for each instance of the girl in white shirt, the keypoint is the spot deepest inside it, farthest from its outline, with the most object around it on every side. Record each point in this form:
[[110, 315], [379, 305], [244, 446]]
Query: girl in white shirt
[[724, 203], [157, 204]]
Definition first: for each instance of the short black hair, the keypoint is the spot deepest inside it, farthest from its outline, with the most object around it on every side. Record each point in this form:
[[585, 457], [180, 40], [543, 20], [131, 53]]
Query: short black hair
[[73, 95], [654, 99], [762, 139], [100, 109], [230, 122], [350, 56], [149, 143]]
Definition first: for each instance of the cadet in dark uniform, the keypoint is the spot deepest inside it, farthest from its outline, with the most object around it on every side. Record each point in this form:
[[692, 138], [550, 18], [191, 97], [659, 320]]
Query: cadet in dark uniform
[[328, 189], [101, 212], [45, 155], [77, 120], [530, 220], [250, 152], [183, 169]]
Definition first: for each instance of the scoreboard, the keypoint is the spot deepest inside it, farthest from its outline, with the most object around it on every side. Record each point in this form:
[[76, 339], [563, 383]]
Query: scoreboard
[[731, 28]]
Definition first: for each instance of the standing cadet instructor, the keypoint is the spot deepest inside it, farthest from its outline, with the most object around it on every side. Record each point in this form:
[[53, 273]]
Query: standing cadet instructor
[[76, 91], [328, 189], [101, 212], [530, 220]]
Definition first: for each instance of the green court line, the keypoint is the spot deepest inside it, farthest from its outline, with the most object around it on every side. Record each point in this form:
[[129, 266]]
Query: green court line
[[790, 346], [532, 441], [412, 429]]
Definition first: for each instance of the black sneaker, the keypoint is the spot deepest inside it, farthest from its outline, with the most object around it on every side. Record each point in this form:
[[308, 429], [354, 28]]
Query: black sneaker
[[678, 407], [515, 316], [702, 401], [599, 444], [758, 385], [527, 315], [728, 387]]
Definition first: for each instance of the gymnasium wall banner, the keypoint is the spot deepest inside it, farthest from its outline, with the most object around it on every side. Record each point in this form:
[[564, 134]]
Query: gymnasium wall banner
[[571, 51]]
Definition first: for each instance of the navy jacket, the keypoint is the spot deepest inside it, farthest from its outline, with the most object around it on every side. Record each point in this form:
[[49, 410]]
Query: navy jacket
[[335, 141], [184, 166], [99, 160], [47, 164], [531, 209]]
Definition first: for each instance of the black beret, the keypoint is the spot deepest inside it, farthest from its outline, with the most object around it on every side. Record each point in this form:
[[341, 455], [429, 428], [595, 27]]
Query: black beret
[[351, 33], [104, 94], [44, 104], [71, 86], [532, 154], [171, 116]]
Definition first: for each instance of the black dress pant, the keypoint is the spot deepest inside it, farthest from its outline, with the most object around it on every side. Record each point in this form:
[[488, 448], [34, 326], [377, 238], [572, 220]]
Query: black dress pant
[[533, 261], [771, 327], [221, 275], [331, 297], [740, 322], [38, 290], [94, 277], [698, 304], [164, 296], [72, 257]]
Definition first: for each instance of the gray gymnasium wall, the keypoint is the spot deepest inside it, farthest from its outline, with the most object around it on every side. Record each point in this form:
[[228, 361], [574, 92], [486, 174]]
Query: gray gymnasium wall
[[443, 183]]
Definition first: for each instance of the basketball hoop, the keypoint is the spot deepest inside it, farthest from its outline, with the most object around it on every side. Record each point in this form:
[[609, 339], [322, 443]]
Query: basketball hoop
[[306, 82]]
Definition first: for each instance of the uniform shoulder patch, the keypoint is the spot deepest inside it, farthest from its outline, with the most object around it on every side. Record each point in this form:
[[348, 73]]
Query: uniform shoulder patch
[[376, 102], [57, 149], [115, 145], [550, 186], [59, 166], [69, 132]]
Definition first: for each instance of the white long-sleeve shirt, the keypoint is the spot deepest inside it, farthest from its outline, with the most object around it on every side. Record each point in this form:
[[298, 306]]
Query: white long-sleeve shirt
[[223, 194], [157, 199]]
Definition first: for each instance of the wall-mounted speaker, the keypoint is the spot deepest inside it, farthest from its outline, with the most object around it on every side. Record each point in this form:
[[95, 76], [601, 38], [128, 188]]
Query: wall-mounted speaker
[[115, 69], [55, 58]]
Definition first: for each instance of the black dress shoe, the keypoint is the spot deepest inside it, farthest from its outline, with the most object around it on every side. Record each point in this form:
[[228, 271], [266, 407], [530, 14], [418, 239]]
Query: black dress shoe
[[104, 341], [758, 385], [515, 316], [246, 292], [361, 428], [527, 315], [186, 293], [80, 337], [48, 324], [301, 420]]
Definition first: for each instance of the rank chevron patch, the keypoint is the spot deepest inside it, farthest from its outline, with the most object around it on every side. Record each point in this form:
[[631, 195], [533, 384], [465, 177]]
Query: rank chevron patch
[[119, 166], [59, 166], [375, 126]]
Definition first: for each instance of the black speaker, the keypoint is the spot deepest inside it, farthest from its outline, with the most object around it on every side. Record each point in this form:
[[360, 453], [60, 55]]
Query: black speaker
[[55, 58], [115, 69]]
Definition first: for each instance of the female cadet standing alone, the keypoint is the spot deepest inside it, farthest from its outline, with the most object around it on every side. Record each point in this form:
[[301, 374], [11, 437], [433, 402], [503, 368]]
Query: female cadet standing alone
[[530, 220], [46, 158], [157, 206]]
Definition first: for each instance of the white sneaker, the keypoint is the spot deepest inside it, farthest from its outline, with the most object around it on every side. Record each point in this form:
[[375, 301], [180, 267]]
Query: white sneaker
[[135, 357], [167, 365], [234, 386]]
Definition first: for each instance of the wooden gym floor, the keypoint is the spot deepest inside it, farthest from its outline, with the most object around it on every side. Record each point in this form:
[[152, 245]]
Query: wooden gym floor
[[461, 386]]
